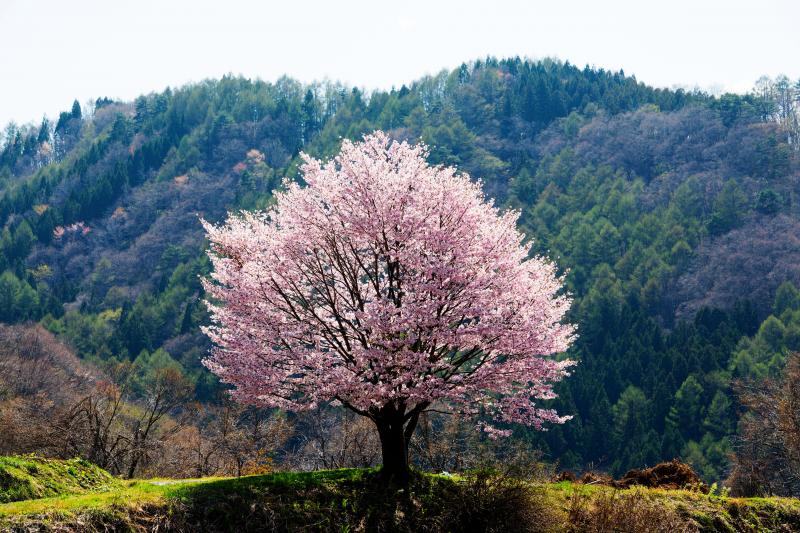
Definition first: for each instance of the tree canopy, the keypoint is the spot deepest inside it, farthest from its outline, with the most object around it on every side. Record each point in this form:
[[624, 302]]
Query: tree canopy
[[389, 286]]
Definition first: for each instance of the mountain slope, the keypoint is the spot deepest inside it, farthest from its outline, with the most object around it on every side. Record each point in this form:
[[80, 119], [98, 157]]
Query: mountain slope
[[656, 202]]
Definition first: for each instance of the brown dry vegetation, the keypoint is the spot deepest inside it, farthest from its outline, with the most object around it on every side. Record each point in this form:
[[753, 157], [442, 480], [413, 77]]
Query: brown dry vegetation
[[55, 405], [671, 475], [767, 459]]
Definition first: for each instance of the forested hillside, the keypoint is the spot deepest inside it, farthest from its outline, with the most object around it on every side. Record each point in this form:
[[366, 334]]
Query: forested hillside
[[674, 215]]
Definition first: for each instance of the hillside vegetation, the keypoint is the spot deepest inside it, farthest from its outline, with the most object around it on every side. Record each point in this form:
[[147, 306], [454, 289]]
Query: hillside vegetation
[[674, 215], [29, 477], [354, 500]]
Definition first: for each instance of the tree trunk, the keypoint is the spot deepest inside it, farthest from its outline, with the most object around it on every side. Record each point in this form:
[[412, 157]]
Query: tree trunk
[[395, 432]]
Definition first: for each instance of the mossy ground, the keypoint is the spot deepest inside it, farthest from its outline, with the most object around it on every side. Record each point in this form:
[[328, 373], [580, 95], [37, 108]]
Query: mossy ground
[[357, 500]]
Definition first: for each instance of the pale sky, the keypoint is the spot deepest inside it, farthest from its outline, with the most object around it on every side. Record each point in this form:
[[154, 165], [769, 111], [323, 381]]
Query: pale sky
[[52, 52]]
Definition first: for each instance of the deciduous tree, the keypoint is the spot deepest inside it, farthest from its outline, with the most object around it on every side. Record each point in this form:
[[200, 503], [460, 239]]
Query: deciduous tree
[[389, 286]]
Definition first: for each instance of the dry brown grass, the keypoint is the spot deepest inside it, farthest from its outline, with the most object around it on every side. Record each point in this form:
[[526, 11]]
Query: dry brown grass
[[632, 511]]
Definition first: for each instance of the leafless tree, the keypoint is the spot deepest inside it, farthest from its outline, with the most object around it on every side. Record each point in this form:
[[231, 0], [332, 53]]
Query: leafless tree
[[334, 438], [767, 458]]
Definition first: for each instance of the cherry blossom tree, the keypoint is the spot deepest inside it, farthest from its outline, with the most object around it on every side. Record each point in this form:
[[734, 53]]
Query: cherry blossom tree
[[391, 287]]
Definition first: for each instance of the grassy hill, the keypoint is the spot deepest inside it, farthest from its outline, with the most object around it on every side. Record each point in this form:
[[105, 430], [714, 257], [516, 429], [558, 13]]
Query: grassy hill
[[356, 500], [28, 477]]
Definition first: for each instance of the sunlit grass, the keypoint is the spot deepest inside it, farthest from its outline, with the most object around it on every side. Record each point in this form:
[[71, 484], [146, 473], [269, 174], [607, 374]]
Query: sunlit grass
[[299, 496], [159, 490], [127, 493], [28, 476]]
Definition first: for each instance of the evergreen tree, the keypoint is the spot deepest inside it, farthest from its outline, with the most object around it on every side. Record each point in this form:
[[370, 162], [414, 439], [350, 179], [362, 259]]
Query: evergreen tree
[[729, 209], [76, 110]]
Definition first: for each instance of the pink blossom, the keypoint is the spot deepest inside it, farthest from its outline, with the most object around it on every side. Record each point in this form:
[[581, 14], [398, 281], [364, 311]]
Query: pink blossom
[[386, 282], [78, 228]]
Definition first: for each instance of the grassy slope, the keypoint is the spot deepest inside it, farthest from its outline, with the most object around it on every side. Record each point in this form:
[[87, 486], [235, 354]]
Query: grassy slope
[[353, 500], [26, 477]]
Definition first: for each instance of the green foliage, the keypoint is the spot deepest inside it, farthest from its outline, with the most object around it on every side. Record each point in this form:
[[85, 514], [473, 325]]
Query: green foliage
[[18, 300], [634, 440], [91, 335], [768, 202], [149, 367], [764, 354], [729, 208], [688, 406], [787, 299]]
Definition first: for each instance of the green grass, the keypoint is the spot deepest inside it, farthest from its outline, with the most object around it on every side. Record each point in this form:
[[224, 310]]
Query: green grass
[[357, 500], [132, 492], [144, 492], [26, 477], [327, 499]]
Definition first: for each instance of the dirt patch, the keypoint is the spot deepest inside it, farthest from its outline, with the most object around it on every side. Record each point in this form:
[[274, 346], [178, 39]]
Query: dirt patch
[[671, 475], [596, 478], [565, 475], [590, 477]]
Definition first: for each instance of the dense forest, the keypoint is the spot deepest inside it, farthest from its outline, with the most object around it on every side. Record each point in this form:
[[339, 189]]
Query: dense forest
[[674, 215]]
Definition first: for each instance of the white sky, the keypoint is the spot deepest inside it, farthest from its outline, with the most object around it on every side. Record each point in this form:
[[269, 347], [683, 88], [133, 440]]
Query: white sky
[[52, 52]]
